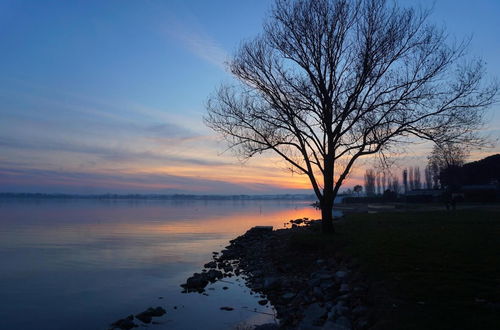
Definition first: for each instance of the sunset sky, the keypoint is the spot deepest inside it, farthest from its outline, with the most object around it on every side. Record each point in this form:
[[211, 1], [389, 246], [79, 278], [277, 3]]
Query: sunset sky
[[108, 96]]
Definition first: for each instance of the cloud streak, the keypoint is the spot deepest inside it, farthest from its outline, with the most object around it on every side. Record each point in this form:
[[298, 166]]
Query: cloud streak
[[196, 41], [36, 180]]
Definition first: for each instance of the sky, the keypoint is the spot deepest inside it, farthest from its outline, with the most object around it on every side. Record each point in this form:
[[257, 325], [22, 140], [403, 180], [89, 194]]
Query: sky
[[109, 96]]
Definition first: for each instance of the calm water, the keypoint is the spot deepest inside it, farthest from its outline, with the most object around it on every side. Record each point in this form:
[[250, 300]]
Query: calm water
[[82, 264]]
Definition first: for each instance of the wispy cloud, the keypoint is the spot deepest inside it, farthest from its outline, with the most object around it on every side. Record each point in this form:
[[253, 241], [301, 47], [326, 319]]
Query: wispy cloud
[[196, 40]]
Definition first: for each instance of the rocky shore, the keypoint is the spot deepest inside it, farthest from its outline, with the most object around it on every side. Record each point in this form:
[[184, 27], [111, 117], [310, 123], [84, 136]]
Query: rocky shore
[[309, 288]]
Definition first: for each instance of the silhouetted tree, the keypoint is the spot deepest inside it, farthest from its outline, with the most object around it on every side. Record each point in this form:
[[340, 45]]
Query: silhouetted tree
[[384, 181], [395, 186], [416, 177], [411, 178], [358, 189], [405, 179], [379, 184], [370, 182], [447, 159], [331, 81], [484, 171], [428, 177]]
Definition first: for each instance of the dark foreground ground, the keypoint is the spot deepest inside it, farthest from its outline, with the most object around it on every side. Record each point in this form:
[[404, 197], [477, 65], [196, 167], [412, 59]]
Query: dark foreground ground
[[429, 270], [418, 269]]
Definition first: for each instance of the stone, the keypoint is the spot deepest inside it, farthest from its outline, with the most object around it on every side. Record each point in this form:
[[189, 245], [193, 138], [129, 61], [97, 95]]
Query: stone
[[344, 287], [213, 274], [340, 274], [267, 326], [338, 310], [271, 283], [226, 308], [260, 229], [144, 317], [317, 293], [331, 325], [262, 302], [362, 323], [211, 264], [196, 282], [158, 311], [288, 296], [125, 323], [151, 312], [344, 296], [359, 310], [312, 315], [342, 323]]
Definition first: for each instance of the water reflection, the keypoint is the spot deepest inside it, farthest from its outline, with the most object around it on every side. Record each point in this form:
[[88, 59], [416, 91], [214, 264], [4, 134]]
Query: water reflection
[[82, 264]]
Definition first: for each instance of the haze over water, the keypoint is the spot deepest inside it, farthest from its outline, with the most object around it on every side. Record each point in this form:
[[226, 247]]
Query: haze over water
[[82, 264]]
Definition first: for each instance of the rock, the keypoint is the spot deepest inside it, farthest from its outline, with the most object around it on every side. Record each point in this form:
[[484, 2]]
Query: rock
[[324, 276], [312, 316], [212, 275], [196, 282], [267, 326], [340, 274], [338, 310], [342, 323], [225, 288], [144, 317], [263, 302], [151, 312], [271, 283], [228, 268], [125, 323], [260, 230], [344, 288], [211, 264], [344, 296], [359, 310], [317, 293], [362, 323], [156, 312], [226, 308]]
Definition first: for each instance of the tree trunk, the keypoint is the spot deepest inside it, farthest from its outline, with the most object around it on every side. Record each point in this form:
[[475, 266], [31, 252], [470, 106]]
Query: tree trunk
[[326, 212], [327, 216]]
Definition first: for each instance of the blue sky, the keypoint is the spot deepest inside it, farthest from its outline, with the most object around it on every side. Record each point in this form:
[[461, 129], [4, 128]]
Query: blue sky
[[108, 96]]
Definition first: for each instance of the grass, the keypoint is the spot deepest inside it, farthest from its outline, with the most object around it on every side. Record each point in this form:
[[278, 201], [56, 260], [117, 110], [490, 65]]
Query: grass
[[438, 270]]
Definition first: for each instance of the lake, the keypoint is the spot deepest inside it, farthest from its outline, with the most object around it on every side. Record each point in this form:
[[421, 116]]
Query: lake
[[83, 264]]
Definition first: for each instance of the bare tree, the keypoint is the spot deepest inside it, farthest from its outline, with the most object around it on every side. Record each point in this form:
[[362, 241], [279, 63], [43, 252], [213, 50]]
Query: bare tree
[[331, 81], [444, 158], [357, 189], [405, 179], [395, 186], [416, 177], [379, 184], [411, 178], [384, 182], [370, 182], [428, 177]]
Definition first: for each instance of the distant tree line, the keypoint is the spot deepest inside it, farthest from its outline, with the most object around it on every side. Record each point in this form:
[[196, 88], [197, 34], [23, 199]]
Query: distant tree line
[[446, 170]]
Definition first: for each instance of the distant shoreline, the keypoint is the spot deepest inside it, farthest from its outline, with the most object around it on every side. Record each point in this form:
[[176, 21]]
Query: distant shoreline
[[298, 197]]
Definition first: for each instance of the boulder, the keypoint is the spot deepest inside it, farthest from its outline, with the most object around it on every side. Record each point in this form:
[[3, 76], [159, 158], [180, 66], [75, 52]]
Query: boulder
[[125, 323], [312, 316]]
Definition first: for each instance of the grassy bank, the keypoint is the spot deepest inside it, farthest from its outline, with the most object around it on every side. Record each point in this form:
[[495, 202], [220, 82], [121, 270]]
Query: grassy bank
[[431, 270]]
